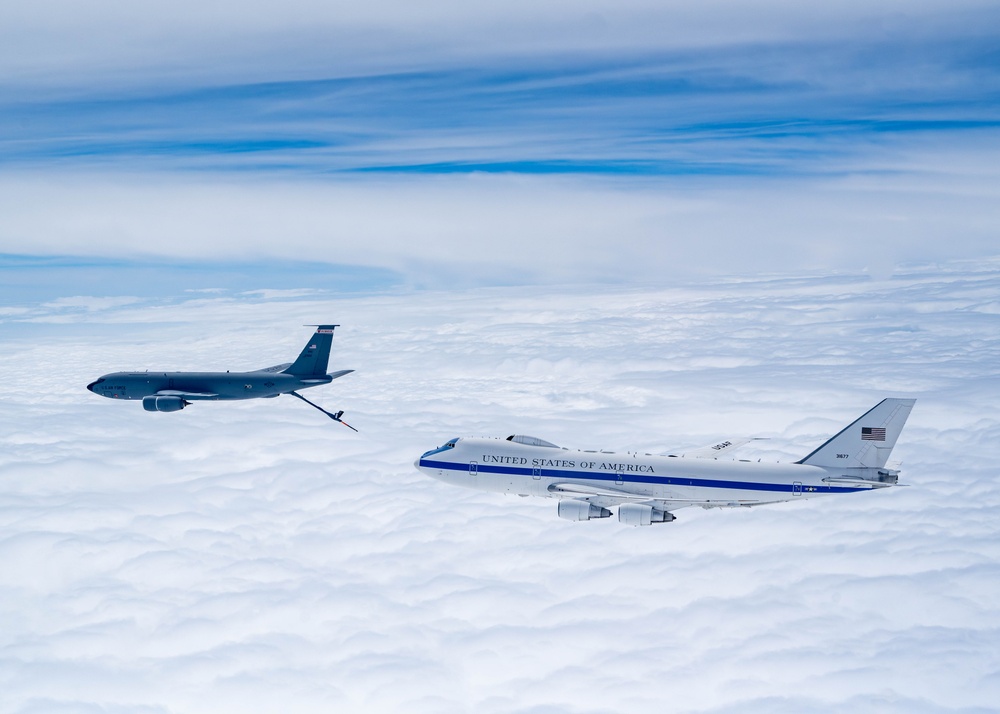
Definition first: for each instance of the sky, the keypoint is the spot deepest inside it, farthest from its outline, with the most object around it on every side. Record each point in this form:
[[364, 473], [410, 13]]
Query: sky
[[462, 146], [631, 225]]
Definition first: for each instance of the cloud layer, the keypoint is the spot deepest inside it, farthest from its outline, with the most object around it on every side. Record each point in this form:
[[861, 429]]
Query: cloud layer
[[496, 230], [255, 557]]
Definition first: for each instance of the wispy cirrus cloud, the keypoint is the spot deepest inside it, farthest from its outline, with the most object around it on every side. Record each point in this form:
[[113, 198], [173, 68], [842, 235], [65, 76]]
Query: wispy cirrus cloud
[[503, 145], [464, 230], [793, 108], [61, 42]]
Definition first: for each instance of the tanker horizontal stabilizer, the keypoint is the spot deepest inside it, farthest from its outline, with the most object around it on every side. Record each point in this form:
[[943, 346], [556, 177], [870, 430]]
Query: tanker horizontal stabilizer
[[275, 368]]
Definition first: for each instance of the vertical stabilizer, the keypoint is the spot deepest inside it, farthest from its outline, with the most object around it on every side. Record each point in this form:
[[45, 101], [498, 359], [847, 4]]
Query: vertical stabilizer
[[315, 355], [866, 442]]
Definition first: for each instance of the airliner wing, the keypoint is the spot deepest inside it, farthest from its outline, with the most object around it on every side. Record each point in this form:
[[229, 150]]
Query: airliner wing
[[578, 489], [714, 451], [609, 497], [189, 396]]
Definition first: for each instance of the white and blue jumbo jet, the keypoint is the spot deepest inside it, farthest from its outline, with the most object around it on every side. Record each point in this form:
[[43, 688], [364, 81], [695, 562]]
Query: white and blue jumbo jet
[[645, 488]]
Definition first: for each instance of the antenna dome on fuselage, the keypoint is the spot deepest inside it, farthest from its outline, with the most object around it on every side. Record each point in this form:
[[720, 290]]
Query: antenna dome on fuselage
[[530, 441]]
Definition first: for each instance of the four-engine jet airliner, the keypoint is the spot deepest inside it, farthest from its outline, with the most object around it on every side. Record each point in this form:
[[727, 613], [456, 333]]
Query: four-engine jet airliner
[[172, 391], [646, 488]]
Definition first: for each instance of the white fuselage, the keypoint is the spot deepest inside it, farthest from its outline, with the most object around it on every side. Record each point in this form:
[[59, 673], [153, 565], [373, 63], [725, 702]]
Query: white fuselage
[[509, 467]]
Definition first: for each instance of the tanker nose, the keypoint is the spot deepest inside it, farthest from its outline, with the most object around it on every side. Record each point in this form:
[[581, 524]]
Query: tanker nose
[[94, 383]]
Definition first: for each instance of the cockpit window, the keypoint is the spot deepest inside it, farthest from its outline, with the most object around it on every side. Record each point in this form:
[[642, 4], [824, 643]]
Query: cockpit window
[[450, 444]]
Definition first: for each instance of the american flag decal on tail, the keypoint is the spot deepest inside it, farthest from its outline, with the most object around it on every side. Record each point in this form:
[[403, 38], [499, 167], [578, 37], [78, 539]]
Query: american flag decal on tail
[[872, 433]]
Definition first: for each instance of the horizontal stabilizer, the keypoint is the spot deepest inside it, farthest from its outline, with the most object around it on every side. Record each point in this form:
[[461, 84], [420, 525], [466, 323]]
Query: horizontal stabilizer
[[326, 378], [276, 368]]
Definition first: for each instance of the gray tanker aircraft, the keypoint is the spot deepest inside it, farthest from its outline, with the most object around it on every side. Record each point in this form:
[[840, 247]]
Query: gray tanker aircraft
[[645, 488], [172, 391]]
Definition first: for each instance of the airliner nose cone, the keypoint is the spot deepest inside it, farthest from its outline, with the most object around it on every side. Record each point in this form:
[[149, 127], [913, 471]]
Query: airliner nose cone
[[91, 385]]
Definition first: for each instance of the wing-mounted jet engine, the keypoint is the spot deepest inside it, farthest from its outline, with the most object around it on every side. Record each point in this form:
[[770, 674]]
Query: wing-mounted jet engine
[[163, 404]]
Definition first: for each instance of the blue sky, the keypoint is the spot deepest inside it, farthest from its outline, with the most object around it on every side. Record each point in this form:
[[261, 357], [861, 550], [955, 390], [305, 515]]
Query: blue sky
[[786, 109], [614, 143]]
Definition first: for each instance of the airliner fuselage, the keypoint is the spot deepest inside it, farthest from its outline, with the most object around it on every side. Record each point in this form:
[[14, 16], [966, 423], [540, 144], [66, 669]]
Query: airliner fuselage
[[513, 468], [646, 487]]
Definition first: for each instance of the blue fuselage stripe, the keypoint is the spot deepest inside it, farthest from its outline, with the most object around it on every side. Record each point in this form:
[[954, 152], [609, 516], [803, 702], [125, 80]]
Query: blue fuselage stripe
[[680, 481]]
